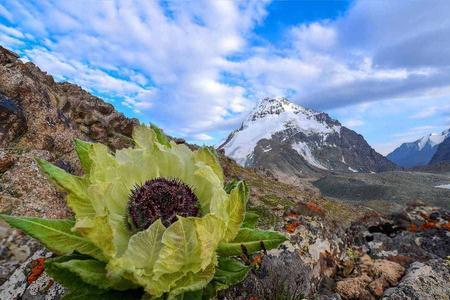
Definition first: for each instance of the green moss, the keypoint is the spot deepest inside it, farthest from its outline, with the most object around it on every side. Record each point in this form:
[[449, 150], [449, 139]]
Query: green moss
[[352, 254], [267, 219], [274, 201]]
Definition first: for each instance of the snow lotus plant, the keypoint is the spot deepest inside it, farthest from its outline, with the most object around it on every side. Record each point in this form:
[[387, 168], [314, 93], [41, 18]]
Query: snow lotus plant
[[154, 221]]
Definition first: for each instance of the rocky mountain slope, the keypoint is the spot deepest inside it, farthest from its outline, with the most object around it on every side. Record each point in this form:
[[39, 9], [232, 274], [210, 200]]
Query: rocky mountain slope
[[335, 251], [41, 118], [282, 136], [442, 152], [419, 152]]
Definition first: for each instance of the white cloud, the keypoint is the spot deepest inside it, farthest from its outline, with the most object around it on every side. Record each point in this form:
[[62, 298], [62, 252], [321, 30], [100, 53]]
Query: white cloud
[[5, 13], [191, 67], [125, 47], [314, 36], [202, 137], [430, 111], [88, 77], [353, 123], [335, 63]]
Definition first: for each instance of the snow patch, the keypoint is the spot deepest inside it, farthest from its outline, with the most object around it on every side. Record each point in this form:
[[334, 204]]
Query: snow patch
[[443, 186], [267, 149], [353, 170], [433, 139], [303, 149]]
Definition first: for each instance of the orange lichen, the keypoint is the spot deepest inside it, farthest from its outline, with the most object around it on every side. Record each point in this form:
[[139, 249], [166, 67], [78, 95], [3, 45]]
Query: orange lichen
[[446, 226], [429, 225], [37, 267], [313, 207], [257, 260], [413, 228], [293, 216], [291, 227]]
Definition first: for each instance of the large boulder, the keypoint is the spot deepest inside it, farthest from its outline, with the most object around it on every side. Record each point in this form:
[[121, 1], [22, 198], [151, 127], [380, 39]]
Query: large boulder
[[425, 281]]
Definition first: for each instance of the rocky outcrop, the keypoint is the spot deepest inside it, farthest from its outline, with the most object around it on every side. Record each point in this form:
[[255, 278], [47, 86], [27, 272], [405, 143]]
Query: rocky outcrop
[[370, 278], [427, 281], [384, 254], [40, 118], [355, 288], [12, 121]]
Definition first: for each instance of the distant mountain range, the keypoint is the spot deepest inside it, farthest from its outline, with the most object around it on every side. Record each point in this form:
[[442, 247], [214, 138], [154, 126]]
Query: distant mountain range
[[282, 136], [423, 151]]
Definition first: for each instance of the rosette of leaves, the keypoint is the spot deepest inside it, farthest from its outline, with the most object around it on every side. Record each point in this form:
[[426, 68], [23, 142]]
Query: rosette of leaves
[[153, 221]]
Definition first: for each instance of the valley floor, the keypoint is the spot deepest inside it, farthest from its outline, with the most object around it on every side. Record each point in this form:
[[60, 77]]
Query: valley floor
[[386, 191]]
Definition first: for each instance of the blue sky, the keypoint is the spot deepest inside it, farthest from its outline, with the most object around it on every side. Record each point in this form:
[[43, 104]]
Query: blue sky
[[196, 68]]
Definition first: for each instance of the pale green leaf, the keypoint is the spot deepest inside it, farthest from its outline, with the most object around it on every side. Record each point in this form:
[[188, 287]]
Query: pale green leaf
[[98, 231], [209, 190], [236, 210], [181, 249], [210, 231], [77, 289], [103, 166], [56, 235], [251, 239], [208, 156], [144, 137], [230, 271], [94, 272], [192, 282], [71, 183], [250, 220], [160, 136], [83, 149], [142, 252]]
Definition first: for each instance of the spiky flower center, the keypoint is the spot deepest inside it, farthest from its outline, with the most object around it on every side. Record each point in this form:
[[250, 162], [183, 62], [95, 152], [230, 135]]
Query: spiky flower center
[[160, 198]]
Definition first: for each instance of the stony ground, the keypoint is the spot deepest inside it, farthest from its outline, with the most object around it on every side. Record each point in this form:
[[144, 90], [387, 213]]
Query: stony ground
[[387, 191]]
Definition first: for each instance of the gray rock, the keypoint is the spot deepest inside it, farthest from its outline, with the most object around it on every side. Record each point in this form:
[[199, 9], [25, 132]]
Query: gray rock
[[423, 281], [12, 121], [334, 296], [284, 276]]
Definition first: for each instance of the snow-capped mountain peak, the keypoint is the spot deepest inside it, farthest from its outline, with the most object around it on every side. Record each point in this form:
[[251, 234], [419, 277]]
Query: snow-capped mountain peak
[[433, 139], [275, 115], [274, 106], [277, 122], [290, 115]]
